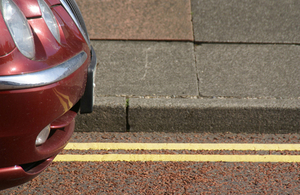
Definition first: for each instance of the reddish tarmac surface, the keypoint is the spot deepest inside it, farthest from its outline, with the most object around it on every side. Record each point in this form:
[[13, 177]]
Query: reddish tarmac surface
[[170, 177], [138, 20]]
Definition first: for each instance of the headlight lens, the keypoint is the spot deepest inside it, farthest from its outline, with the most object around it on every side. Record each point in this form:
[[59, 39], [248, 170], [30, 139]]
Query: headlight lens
[[18, 28], [49, 19]]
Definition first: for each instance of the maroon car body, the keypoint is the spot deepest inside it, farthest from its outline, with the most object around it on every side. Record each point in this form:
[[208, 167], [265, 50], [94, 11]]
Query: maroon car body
[[41, 91]]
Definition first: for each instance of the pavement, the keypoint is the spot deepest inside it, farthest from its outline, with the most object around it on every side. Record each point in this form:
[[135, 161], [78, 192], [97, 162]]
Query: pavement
[[194, 66]]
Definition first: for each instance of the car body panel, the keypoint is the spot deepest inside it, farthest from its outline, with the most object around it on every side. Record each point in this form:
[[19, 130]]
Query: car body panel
[[15, 175], [54, 2], [30, 8], [25, 109], [6, 42], [43, 106]]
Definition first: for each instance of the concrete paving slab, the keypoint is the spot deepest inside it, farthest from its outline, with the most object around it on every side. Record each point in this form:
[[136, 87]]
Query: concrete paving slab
[[254, 21], [251, 88], [214, 115], [138, 20], [109, 115], [253, 70], [145, 68]]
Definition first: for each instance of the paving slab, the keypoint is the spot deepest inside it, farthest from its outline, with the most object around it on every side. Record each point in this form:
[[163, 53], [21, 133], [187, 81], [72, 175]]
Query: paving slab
[[214, 115], [145, 68], [109, 114], [241, 75], [254, 70], [254, 21], [138, 20]]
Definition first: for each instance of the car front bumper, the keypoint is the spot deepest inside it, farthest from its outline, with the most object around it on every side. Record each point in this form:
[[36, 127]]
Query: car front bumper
[[25, 112]]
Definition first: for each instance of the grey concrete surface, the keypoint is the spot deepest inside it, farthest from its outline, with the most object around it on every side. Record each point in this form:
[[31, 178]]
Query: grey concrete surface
[[242, 70], [109, 114], [239, 74], [145, 68], [247, 21], [243, 88], [214, 115]]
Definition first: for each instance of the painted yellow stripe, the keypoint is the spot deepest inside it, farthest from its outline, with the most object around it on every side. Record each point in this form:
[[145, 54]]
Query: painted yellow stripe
[[181, 146], [178, 158]]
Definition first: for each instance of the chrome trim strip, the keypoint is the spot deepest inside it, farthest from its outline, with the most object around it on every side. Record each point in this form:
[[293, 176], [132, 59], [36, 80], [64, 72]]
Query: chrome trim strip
[[44, 77]]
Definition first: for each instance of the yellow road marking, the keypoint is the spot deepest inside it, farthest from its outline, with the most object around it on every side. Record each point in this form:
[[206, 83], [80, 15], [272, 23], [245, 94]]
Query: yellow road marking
[[181, 146], [181, 157], [178, 158]]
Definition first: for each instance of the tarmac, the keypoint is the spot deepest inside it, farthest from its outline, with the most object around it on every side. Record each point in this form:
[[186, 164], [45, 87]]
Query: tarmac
[[194, 66]]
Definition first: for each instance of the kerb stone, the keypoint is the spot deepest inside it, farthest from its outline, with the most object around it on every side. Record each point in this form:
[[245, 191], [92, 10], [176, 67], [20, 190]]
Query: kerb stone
[[214, 115], [109, 115]]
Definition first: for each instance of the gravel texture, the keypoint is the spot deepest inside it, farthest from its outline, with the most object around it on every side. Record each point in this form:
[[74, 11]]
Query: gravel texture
[[169, 177], [165, 178], [156, 137]]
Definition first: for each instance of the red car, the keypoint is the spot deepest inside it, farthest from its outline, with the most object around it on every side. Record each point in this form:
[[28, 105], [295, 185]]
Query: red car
[[47, 68]]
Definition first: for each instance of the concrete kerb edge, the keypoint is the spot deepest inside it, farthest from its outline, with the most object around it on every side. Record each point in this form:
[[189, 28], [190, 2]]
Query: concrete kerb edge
[[109, 115], [117, 114]]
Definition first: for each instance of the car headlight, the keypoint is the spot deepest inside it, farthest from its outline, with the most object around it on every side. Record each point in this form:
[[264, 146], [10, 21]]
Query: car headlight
[[73, 10], [18, 28], [49, 19]]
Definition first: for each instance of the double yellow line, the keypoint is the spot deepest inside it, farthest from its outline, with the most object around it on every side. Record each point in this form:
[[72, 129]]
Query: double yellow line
[[181, 157]]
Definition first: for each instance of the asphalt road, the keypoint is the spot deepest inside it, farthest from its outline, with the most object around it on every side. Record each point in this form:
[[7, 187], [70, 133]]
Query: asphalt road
[[166, 163]]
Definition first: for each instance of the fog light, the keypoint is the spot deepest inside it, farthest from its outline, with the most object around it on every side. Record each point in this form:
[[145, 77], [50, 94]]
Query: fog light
[[43, 135]]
